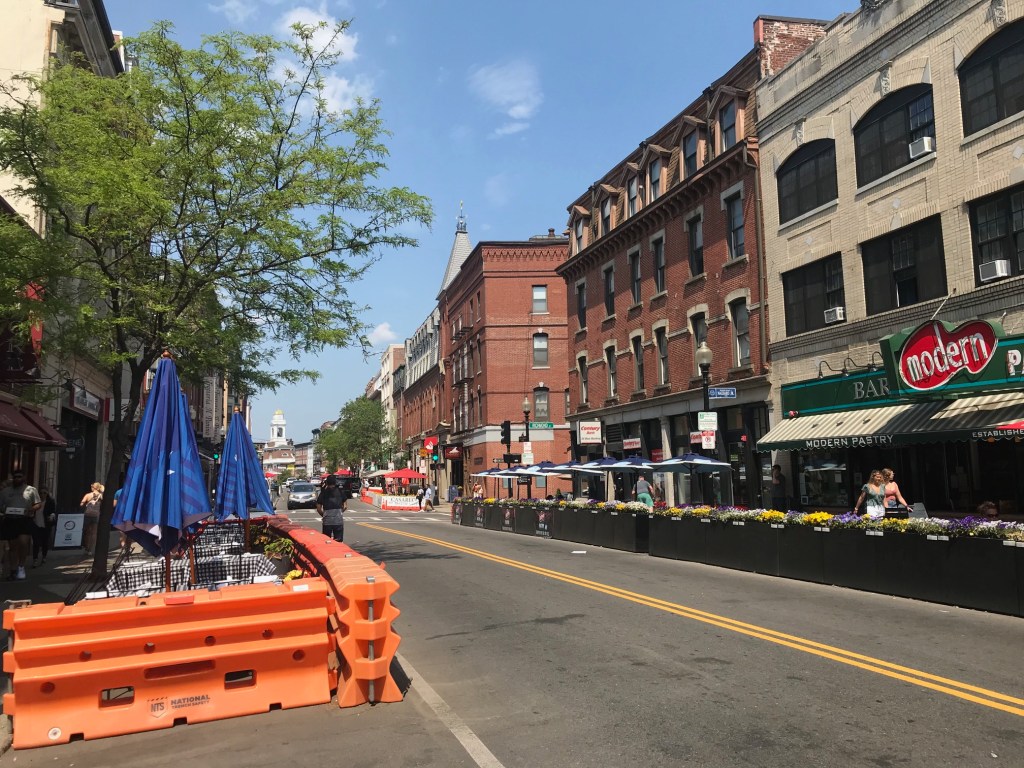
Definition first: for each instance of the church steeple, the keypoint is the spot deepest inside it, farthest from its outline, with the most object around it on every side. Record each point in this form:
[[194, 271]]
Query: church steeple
[[461, 249]]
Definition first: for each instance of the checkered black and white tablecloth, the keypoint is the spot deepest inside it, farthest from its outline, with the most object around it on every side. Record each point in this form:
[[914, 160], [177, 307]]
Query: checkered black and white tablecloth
[[148, 576]]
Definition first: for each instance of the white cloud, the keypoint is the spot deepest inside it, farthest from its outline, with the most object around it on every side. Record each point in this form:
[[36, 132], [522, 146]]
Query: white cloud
[[345, 43], [382, 334], [513, 89], [391, 39], [508, 129], [497, 189], [237, 11]]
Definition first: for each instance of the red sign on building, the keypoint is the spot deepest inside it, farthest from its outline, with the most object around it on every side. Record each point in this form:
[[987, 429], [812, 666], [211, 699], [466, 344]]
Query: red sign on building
[[933, 354]]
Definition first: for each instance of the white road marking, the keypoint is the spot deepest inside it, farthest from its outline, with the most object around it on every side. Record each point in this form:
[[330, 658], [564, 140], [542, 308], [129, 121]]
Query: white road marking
[[475, 748]]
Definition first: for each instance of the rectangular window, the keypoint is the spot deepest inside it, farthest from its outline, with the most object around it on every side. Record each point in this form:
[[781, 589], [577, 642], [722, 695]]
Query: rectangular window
[[540, 350], [734, 214], [540, 299], [606, 216], [631, 195], [661, 341], [654, 180], [634, 276], [609, 291], [541, 408], [997, 228], [609, 361], [690, 154], [741, 331], [905, 267], [727, 124], [696, 233], [638, 364], [579, 235], [581, 304], [658, 264], [581, 368], [809, 291]]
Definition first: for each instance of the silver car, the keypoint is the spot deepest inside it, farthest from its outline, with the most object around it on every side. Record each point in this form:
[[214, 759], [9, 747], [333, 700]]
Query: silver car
[[302, 496]]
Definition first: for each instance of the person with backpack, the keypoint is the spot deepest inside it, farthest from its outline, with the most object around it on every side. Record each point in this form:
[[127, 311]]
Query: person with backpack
[[331, 505]]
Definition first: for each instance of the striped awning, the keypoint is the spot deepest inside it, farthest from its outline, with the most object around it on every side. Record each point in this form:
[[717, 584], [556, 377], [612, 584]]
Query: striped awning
[[986, 417]]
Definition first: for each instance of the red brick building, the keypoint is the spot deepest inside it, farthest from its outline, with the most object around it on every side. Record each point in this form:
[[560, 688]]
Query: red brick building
[[665, 253], [503, 340]]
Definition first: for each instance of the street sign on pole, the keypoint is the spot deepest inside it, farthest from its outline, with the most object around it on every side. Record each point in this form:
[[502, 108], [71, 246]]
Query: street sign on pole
[[722, 393], [707, 439], [707, 420], [542, 425]]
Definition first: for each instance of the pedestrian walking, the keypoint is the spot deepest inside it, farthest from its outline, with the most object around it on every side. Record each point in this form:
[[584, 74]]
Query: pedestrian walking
[[642, 492], [331, 505], [778, 489], [18, 502], [428, 499], [46, 522], [90, 505], [419, 497], [478, 490], [893, 497], [872, 495]]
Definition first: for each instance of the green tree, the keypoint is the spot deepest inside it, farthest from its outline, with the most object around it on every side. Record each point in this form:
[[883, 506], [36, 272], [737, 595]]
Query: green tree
[[360, 434], [209, 201]]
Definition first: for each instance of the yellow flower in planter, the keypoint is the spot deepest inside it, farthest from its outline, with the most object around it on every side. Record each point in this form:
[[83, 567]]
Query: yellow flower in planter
[[816, 518], [893, 524], [292, 575], [772, 516]]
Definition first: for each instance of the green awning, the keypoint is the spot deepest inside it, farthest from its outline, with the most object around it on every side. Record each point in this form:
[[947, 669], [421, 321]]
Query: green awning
[[994, 416]]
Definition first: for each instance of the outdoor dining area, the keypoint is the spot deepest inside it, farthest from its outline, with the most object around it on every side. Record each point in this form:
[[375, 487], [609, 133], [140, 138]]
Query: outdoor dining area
[[687, 478]]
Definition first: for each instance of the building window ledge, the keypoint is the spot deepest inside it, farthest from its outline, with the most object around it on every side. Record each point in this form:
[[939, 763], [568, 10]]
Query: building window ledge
[[744, 259], [702, 277], [658, 295], [810, 214], [893, 174]]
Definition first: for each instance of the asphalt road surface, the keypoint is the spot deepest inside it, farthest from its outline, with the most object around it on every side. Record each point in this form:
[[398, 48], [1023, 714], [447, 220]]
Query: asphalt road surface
[[529, 652]]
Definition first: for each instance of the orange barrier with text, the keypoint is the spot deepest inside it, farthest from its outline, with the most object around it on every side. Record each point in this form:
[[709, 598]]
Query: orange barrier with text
[[127, 664], [362, 623]]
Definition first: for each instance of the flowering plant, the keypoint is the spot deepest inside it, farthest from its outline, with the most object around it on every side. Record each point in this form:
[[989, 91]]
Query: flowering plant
[[771, 516], [813, 518]]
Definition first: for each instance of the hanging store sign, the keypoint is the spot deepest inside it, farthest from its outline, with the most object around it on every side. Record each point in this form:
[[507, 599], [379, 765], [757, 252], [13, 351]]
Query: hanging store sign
[[84, 401], [935, 353], [589, 432], [631, 444]]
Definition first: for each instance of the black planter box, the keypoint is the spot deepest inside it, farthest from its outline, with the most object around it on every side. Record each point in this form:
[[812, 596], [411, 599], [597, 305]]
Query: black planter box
[[562, 523], [664, 537], [604, 528], [982, 573], [493, 516], [802, 553], [456, 513], [630, 531], [469, 513], [525, 521], [542, 519], [480, 516], [508, 518], [909, 565], [851, 559], [1020, 578]]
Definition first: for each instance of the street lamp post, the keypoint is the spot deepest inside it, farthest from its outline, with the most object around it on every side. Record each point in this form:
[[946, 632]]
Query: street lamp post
[[526, 421], [704, 360]]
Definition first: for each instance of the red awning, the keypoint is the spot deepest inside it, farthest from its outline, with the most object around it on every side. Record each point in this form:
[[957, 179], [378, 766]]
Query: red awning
[[51, 435], [14, 423]]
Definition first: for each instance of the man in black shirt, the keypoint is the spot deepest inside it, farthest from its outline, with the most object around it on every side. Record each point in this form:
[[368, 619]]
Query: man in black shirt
[[331, 505]]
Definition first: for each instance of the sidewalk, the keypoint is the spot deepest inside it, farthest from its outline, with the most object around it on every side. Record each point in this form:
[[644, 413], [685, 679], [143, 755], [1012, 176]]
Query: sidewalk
[[51, 582]]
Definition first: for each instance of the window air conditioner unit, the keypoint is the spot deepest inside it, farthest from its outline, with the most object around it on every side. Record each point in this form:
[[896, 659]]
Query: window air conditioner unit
[[834, 315], [921, 146], [993, 270]]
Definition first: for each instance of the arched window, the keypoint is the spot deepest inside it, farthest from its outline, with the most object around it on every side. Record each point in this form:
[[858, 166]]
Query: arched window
[[889, 135], [807, 180], [992, 80]]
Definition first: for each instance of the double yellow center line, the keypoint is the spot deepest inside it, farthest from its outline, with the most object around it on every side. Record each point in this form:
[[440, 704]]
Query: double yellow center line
[[973, 693]]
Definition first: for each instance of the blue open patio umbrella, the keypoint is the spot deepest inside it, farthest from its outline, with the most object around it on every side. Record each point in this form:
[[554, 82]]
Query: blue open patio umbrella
[[241, 485], [164, 491]]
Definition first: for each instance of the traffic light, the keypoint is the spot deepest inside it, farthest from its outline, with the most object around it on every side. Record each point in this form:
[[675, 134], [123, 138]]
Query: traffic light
[[216, 455], [434, 454], [506, 433]]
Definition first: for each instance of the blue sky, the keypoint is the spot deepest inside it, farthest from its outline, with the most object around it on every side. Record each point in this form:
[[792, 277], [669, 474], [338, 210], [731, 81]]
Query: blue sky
[[513, 109]]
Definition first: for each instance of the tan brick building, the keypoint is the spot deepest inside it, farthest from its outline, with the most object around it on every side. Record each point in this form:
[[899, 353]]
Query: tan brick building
[[893, 185], [664, 255], [504, 340]]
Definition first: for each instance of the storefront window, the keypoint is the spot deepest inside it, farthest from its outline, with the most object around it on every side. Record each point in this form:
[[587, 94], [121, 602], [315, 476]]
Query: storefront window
[[823, 479]]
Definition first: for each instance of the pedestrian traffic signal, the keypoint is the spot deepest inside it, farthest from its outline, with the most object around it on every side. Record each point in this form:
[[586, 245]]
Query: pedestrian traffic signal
[[506, 433]]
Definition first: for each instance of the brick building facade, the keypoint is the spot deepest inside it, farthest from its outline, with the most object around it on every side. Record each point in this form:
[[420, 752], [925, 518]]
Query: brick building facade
[[504, 339], [665, 254]]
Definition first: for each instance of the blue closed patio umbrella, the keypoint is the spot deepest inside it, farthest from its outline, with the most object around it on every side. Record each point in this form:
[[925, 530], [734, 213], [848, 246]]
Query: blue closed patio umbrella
[[241, 485], [164, 491]]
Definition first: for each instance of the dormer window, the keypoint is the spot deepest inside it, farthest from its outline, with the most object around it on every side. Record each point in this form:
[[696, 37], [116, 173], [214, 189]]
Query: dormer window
[[727, 125], [690, 154], [578, 230], [654, 180], [631, 196], [606, 216]]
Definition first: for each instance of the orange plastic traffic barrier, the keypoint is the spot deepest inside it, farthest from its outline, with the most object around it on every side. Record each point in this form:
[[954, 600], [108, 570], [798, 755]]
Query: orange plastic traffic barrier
[[362, 623], [123, 665]]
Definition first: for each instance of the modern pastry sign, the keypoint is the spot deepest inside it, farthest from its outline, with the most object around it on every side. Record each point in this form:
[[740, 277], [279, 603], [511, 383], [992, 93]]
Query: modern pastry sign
[[935, 353]]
